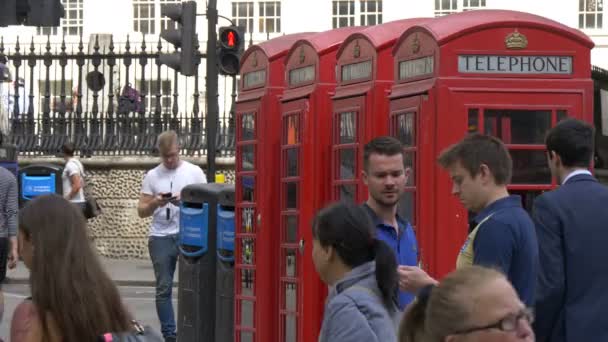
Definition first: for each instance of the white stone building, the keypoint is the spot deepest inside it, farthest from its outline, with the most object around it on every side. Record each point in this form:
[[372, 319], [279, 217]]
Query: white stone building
[[265, 19]]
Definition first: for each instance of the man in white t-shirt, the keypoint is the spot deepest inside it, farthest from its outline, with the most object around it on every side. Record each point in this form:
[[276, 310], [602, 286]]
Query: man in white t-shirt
[[160, 197], [72, 177]]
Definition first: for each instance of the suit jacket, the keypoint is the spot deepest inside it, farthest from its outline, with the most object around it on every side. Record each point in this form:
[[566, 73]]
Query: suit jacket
[[572, 290]]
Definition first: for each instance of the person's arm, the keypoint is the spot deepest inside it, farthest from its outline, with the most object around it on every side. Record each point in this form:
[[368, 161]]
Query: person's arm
[[551, 282], [345, 323], [148, 200], [12, 207], [412, 279]]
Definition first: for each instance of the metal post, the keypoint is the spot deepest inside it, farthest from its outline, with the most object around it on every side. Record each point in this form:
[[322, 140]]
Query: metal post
[[212, 100]]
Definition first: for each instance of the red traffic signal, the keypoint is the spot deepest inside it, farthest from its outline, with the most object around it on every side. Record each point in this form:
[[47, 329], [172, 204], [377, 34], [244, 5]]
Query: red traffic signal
[[230, 38], [231, 45]]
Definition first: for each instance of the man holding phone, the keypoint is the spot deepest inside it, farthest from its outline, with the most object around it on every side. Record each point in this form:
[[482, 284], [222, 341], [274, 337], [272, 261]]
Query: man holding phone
[[160, 198]]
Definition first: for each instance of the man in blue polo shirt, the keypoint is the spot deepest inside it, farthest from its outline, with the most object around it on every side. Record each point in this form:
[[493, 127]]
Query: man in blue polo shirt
[[385, 176], [502, 235]]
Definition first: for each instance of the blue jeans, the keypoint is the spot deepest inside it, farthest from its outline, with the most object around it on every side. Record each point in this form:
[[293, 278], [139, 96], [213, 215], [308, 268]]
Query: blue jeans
[[163, 252]]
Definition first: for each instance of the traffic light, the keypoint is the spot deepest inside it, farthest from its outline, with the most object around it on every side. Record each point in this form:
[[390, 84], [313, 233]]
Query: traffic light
[[44, 12], [184, 37], [231, 46], [31, 12]]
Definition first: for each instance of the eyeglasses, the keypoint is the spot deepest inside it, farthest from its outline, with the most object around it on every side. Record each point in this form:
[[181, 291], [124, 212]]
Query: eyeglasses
[[507, 324]]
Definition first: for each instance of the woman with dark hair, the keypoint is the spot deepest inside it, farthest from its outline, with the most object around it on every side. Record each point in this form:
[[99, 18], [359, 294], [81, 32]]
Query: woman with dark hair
[[471, 304], [362, 273], [73, 299]]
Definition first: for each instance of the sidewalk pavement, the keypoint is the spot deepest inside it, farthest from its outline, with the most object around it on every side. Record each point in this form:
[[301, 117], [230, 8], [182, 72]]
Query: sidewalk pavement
[[123, 272]]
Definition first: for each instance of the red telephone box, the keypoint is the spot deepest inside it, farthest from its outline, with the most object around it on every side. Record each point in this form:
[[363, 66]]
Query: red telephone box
[[257, 187], [360, 106], [306, 137], [509, 74]]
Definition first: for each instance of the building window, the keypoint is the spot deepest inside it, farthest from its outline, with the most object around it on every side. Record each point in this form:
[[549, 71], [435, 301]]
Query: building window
[[468, 5], [143, 16], [242, 15], [152, 90], [590, 14], [270, 16], [164, 21], [444, 7], [370, 12], [343, 13], [71, 24]]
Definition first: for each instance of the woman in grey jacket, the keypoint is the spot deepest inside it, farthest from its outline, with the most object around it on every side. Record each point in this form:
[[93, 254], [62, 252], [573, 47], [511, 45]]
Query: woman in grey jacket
[[362, 273]]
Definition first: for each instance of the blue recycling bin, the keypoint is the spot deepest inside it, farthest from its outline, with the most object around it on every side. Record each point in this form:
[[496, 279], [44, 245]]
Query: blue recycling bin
[[206, 263], [39, 179], [8, 158]]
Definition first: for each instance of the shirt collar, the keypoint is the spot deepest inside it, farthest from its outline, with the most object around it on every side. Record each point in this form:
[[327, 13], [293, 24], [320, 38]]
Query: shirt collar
[[576, 173], [378, 221], [354, 276], [505, 202]]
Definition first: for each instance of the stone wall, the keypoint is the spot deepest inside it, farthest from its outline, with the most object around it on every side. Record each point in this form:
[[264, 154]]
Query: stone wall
[[119, 233]]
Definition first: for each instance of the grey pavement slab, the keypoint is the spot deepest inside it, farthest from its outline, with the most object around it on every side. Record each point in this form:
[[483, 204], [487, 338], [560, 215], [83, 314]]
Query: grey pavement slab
[[123, 272]]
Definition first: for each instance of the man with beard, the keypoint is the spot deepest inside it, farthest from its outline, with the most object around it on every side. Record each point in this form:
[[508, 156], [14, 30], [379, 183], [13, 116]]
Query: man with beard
[[385, 176], [503, 236]]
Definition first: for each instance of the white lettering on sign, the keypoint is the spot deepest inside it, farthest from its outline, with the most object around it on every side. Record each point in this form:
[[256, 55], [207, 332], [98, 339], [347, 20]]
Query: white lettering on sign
[[301, 75], [356, 71], [416, 67], [515, 64], [254, 78]]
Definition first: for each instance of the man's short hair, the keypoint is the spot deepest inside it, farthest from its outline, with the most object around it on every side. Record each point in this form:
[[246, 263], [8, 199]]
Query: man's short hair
[[166, 140], [68, 149], [383, 145], [572, 141], [477, 149]]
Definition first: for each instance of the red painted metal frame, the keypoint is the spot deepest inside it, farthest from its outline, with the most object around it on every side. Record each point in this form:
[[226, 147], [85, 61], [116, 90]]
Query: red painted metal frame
[[310, 101], [263, 100]]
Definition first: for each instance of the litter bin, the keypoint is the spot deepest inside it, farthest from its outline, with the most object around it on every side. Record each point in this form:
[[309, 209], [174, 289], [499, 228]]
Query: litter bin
[[8, 158], [39, 179], [206, 274]]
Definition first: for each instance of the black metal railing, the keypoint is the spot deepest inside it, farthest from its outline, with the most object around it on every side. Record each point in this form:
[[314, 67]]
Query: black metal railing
[[108, 100]]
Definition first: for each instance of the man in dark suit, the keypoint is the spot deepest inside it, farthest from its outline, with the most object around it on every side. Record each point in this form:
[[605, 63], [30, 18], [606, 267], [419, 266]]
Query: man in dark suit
[[572, 228]]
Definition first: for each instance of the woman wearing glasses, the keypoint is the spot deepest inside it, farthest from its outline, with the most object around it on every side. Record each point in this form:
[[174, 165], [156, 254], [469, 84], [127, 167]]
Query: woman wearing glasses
[[472, 304]]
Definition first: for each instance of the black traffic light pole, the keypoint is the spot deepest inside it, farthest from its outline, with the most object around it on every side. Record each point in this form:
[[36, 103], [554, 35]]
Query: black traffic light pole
[[212, 101]]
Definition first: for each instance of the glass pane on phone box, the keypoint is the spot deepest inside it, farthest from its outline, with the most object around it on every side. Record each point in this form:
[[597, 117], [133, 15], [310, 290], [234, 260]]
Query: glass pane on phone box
[[291, 161], [247, 313], [247, 157], [405, 208], [248, 188], [248, 251], [527, 197], [247, 224], [290, 263], [530, 167], [347, 192], [347, 163], [291, 296], [246, 336], [291, 229], [348, 127], [248, 127], [409, 163], [291, 195], [518, 126], [406, 129], [290, 326], [247, 282]]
